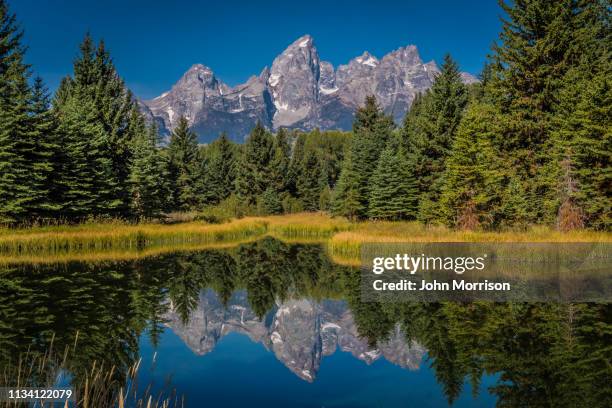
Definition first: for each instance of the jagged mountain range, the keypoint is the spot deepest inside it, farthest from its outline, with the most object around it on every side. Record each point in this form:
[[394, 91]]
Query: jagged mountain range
[[298, 91], [299, 332]]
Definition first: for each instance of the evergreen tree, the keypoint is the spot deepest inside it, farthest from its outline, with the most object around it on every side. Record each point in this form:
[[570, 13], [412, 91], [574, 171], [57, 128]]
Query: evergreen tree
[[95, 81], [535, 51], [26, 133], [87, 182], [473, 181], [184, 164], [279, 166], [271, 202], [311, 183], [371, 130], [221, 174], [254, 168], [393, 193], [149, 176], [429, 132], [584, 142], [346, 196], [43, 153]]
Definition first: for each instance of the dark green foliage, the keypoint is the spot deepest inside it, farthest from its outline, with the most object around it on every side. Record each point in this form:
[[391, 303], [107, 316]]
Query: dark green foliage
[[537, 48], [43, 154], [393, 192], [279, 166], [271, 203], [96, 83], [473, 180], [371, 131], [26, 133], [87, 181], [590, 152], [221, 172], [346, 198], [311, 183], [149, 176], [184, 166], [428, 135], [253, 170]]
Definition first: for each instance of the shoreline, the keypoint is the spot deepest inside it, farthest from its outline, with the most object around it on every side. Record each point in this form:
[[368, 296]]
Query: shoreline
[[342, 239]]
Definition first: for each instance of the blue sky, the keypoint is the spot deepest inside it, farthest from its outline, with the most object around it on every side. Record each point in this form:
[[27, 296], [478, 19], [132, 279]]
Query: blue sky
[[154, 42]]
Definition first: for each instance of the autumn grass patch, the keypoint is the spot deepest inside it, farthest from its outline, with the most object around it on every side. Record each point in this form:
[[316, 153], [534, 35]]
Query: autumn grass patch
[[343, 239], [91, 238], [345, 246]]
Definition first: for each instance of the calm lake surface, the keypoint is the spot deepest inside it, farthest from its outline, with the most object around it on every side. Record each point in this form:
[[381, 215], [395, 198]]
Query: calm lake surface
[[269, 324]]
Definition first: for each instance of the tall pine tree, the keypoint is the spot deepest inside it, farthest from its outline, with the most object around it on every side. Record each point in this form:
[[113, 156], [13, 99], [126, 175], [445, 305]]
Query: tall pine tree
[[95, 82], [474, 177], [221, 173], [429, 132], [149, 176], [254, 166], [26, 132], [184, 165], [393, 193], [529, 63], [371, 131]]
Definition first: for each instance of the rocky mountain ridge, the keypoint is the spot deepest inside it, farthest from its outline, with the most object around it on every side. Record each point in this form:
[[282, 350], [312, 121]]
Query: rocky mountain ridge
[[299, 91]]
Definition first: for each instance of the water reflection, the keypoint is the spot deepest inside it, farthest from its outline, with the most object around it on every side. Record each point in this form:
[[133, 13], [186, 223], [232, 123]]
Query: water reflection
[[298, 304], [299, 332]]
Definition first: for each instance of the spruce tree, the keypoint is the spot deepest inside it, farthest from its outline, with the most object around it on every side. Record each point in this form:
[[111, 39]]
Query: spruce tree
[[346, 198], [536, 49], [26, 139], [429, 133], [271, 202], [184, 165], [221, 174], [311, 182], [95, 81], [87, 182], [254, 167], [279, 166], [149, 176], [295, 164], [371, 131], [43, 155], [475, 176], [584, 143], [393, 192]]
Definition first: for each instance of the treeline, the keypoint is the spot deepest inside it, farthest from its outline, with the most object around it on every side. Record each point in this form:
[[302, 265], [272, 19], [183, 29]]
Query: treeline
[[290, 171], [87, 152], [529, 144]]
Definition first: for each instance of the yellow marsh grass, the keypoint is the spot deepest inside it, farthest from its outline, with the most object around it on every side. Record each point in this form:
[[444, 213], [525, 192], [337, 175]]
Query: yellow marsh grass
[[343, 239], [344, 247], [94, 237]]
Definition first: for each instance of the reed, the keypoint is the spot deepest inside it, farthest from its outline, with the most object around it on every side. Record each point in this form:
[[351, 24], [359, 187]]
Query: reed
[[306, 226], [100, 387], [345, 247], [116, 240], [90, 238]]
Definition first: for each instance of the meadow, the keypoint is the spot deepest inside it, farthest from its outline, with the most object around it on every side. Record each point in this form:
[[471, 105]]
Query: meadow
[[116, 240]]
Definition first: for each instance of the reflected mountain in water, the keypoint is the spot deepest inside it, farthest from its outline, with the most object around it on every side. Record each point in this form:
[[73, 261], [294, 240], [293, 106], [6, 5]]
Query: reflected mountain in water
[[299, 332], [298, 304]]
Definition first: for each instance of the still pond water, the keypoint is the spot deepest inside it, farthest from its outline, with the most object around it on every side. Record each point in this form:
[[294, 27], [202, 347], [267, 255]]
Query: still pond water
[[269, 324]]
